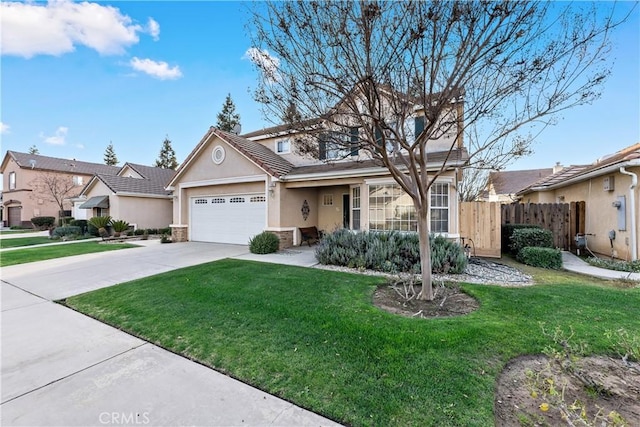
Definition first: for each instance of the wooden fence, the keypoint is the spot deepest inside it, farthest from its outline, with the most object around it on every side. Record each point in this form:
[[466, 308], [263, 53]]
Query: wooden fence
[[564, 220], [480, 227]]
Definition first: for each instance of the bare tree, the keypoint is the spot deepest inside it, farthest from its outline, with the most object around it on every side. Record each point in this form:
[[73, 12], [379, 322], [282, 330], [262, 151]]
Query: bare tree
[[375, 65], [54, 188]]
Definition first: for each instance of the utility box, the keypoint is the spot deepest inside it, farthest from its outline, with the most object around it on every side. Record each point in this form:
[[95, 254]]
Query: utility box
[[608, 183]]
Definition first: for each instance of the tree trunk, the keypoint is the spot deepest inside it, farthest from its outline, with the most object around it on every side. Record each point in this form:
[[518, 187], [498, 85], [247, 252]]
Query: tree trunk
[[426, 293]]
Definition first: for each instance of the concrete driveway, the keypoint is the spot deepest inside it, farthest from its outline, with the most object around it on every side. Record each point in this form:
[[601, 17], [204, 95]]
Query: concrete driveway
[[60, 367]]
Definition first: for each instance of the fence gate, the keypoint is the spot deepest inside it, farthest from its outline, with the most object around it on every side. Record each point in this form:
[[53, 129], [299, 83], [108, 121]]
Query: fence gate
[[480, 227], [564, 220]]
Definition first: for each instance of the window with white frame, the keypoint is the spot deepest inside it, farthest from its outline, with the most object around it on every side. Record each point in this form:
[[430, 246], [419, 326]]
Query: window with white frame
[[77, 180], [283, 146], [390, 208], [12, 181], [327, 200], [355, 208], [439, 208]]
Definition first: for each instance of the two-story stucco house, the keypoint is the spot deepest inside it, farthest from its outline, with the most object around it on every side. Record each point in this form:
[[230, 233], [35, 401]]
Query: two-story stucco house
[[32, 182], [232, 187]]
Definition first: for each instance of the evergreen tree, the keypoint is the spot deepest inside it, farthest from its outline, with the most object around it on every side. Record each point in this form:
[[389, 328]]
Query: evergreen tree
[[34, 150], [167, 157], [110, 157], [228, 119]]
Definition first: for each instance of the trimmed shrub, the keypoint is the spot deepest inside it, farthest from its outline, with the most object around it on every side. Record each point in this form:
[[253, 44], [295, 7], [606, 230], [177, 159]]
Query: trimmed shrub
[[541, 257], [67, 231], [166, 230], [166, 239], [507, 231], [614, 264], [139, 231], [43, 222], [82, 223], [534, 237], [264, 243], [391, 252]]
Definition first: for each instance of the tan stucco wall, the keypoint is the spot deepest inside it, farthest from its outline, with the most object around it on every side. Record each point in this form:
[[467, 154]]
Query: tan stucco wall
[[235, 164], [330, 217], [33, 203], [601, 216], [144, 212]]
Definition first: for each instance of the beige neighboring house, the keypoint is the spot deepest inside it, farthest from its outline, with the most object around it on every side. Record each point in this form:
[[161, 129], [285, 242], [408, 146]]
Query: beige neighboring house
[[135, 194], [27, 176], [502, 186], [610, 192], [232, 187]]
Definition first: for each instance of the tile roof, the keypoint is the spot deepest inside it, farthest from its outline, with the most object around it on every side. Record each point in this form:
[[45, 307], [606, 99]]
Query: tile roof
[[125, 184], [272, 163], [54, 164], [576, 171], [510, 182]]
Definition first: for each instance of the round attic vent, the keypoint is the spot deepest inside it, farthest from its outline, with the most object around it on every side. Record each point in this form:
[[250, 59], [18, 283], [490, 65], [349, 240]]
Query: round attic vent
[[217, 155]]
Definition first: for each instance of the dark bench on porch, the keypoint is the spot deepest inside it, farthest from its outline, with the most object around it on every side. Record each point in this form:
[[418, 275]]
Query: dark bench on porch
[[310, 234]]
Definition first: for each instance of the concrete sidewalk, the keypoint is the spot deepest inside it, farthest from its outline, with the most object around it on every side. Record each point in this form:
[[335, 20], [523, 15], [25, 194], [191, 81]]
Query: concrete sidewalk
[[60, 367], [573, 263]]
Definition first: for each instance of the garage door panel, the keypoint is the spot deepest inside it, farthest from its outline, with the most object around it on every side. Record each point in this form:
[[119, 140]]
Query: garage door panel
[[228, 219]]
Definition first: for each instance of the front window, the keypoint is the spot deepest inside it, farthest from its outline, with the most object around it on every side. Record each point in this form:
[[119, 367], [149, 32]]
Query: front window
[[12, 181], [77, 180], [390, 208], [355, 208], [283, 146], [439, 208]]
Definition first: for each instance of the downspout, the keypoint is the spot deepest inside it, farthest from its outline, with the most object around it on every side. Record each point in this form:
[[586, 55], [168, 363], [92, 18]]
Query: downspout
[[632, 201]]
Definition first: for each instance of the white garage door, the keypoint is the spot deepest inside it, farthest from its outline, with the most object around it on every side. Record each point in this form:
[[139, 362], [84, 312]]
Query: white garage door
[[227, 219]]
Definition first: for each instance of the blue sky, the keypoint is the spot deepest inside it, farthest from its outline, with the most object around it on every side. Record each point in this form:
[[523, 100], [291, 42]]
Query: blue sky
[[150, 69]]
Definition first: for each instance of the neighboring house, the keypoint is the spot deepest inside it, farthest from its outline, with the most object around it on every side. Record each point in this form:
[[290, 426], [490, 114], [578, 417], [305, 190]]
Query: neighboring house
[[31, 183], [609, 189], [136, 194], [503, 186], [232, 187]]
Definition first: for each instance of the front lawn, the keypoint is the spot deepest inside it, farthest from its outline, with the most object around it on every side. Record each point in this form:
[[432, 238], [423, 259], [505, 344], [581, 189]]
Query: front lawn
[[21, 256], [24, 241], [314, 338]]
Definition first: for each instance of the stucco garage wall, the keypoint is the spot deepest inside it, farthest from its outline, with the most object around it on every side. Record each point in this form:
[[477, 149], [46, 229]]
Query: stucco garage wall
[[145, 212]]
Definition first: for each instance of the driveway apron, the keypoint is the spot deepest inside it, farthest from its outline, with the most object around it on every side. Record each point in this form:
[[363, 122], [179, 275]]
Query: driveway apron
[[60, 367]]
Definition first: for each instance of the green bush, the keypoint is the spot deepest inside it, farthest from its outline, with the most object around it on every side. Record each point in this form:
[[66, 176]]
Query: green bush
[[264, 243], [618, 265], [540, 257], [166, 239], [390, 252], [67, 231], [535, 237], [82, 223], [139, 231], [507, 231], [65, 220], [166, 230], [43, 222]]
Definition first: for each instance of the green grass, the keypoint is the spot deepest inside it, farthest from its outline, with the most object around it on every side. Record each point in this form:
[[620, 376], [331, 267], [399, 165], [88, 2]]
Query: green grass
[[24, 241], [314, 338], [18, 231], [21, 256]]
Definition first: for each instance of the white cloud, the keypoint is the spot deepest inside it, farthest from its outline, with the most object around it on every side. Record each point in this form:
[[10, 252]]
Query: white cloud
[[57, 27], [157, 69], [265, 62], [80, 146], [4, 128], [153, 28], [58, 138]]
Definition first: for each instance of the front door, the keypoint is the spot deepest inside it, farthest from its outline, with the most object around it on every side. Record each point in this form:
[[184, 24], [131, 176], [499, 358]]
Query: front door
[[346, 209], [14, 216]]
